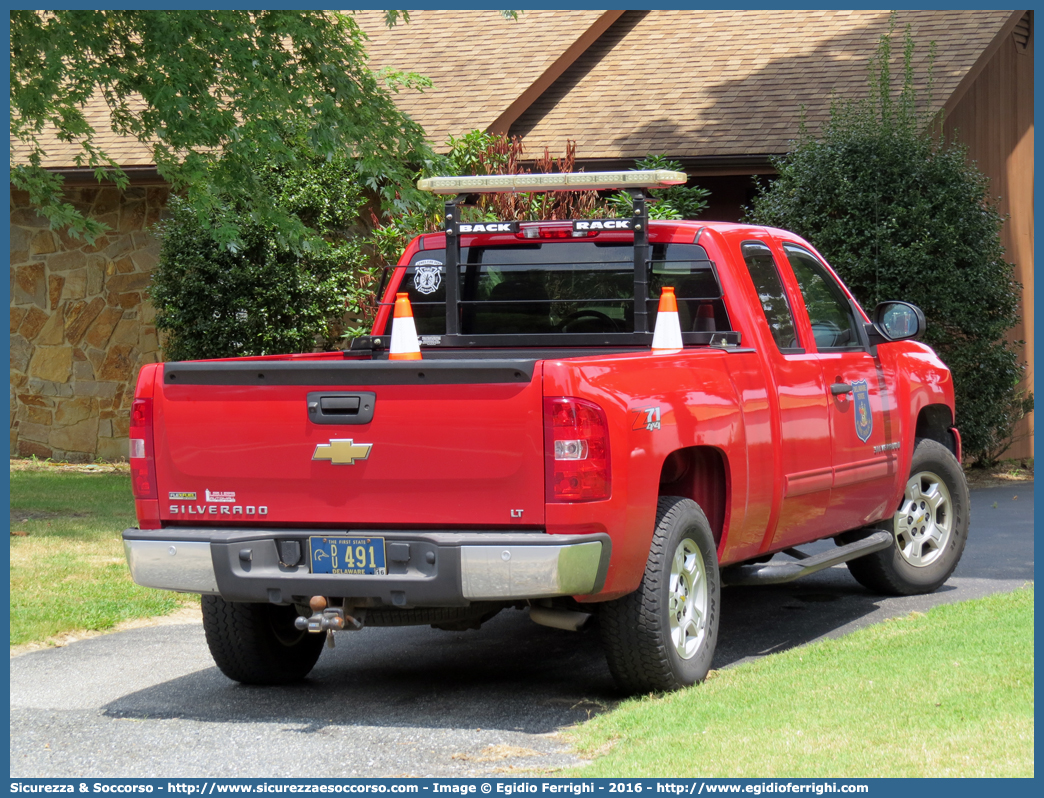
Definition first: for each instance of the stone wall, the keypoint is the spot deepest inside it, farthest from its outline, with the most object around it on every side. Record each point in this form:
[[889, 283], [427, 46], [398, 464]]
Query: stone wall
[[81, 327]]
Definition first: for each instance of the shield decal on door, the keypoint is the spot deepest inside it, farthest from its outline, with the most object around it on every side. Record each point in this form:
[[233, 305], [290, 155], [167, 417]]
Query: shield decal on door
[[864, 417]]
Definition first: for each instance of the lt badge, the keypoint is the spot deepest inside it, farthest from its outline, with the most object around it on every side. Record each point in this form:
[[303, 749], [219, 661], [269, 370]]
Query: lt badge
[[864, 418]]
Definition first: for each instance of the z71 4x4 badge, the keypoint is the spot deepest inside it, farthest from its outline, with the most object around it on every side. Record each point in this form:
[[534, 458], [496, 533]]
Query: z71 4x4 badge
[[651, 418]]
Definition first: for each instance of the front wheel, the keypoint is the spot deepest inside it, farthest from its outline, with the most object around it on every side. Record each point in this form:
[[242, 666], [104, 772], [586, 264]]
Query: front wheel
[[662, 636], [930, 528], [258, 643]]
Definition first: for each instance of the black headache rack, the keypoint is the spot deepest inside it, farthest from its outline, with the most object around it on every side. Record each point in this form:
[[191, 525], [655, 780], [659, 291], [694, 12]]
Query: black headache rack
[[459, 309]]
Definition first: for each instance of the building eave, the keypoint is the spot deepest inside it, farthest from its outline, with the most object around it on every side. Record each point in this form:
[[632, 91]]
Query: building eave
[[980, 63]]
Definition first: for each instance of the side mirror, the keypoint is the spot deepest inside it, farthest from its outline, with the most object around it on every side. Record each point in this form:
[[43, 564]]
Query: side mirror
[[896, 321]]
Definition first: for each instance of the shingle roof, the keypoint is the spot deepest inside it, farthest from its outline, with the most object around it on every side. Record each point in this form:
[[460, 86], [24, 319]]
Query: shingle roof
[[686, 83], [701, 83], [125, 150], [479, 62]]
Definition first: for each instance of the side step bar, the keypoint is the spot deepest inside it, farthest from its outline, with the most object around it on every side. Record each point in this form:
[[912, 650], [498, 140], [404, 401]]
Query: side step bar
[[772, 573]]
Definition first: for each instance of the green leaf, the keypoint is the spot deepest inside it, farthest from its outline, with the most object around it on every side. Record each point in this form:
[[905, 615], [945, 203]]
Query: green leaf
[[214, 94]]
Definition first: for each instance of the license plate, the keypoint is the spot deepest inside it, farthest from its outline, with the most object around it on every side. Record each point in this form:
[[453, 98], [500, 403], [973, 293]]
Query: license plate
[[347, 556]]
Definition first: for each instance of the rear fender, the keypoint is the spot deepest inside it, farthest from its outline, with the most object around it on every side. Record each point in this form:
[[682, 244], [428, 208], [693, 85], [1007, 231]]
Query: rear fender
[[656, 405], [699, 473]]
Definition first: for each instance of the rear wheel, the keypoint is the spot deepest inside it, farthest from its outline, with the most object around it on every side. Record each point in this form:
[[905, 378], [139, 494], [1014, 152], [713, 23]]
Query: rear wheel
[[930, 528], [662, 636], [258, 643]]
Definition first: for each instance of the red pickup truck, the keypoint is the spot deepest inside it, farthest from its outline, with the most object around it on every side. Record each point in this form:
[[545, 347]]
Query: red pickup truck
[[542, 455]]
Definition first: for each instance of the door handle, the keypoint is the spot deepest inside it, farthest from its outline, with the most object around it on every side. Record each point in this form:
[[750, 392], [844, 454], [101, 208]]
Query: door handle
[[839, 388], [337, 407]]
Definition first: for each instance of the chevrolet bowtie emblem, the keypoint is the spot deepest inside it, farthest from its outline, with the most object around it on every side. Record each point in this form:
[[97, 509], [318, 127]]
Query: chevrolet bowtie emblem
[[342, 451]]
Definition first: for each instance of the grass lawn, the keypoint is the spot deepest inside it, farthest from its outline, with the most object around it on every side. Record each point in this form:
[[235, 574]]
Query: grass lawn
[[68, 572], [945, 694]]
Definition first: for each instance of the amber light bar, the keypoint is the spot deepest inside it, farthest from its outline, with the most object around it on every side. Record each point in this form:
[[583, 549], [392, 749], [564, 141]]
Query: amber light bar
[[561, 181]]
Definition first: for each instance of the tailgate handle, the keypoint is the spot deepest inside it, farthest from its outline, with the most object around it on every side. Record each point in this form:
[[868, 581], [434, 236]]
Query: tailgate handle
[[343, 405], [337, 407]]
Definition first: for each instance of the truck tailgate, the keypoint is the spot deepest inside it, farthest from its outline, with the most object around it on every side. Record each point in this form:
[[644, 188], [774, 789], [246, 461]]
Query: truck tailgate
[[450, 443]]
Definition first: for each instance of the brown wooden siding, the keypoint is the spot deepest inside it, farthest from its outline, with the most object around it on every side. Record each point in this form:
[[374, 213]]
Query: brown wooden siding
[[994, 119]]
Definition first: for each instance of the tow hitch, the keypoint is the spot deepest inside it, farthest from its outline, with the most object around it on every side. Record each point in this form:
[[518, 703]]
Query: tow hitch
[[325, 618]]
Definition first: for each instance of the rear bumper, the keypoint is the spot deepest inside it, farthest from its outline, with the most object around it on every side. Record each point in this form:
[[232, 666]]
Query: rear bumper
[[425, 569]]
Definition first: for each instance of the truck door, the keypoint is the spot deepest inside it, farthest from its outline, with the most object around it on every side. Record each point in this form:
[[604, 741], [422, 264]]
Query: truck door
[[860, 397], [802, 472]]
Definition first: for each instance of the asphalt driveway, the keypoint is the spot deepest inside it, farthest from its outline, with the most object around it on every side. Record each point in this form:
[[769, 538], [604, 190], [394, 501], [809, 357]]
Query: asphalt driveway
[[417, 701]]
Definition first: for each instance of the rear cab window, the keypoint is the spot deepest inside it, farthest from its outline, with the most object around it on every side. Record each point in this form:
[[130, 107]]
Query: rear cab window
[[562, 288]]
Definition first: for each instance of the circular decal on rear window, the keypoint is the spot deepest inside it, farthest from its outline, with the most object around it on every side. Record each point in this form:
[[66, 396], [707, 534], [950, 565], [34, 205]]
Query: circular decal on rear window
[[426, 276]]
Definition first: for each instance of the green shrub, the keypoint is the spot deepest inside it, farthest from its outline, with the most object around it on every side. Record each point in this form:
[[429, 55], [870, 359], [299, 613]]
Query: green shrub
[[676, 202], [901, 214], [266, 297]]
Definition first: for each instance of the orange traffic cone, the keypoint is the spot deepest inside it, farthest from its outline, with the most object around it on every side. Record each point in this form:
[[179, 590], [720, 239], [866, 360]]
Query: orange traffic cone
[[667, 335], [404, 343]]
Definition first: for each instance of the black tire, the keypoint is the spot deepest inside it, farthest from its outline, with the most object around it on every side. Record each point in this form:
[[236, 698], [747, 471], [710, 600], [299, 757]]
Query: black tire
[[258, 643], [919, 562], [641, 644]]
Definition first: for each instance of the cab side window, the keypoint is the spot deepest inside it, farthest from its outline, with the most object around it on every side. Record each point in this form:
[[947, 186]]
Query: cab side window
[[765, 276], [833, 319]]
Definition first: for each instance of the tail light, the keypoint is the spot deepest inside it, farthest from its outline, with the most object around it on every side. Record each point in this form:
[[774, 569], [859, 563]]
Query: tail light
[[576, 440], [142, 457]]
